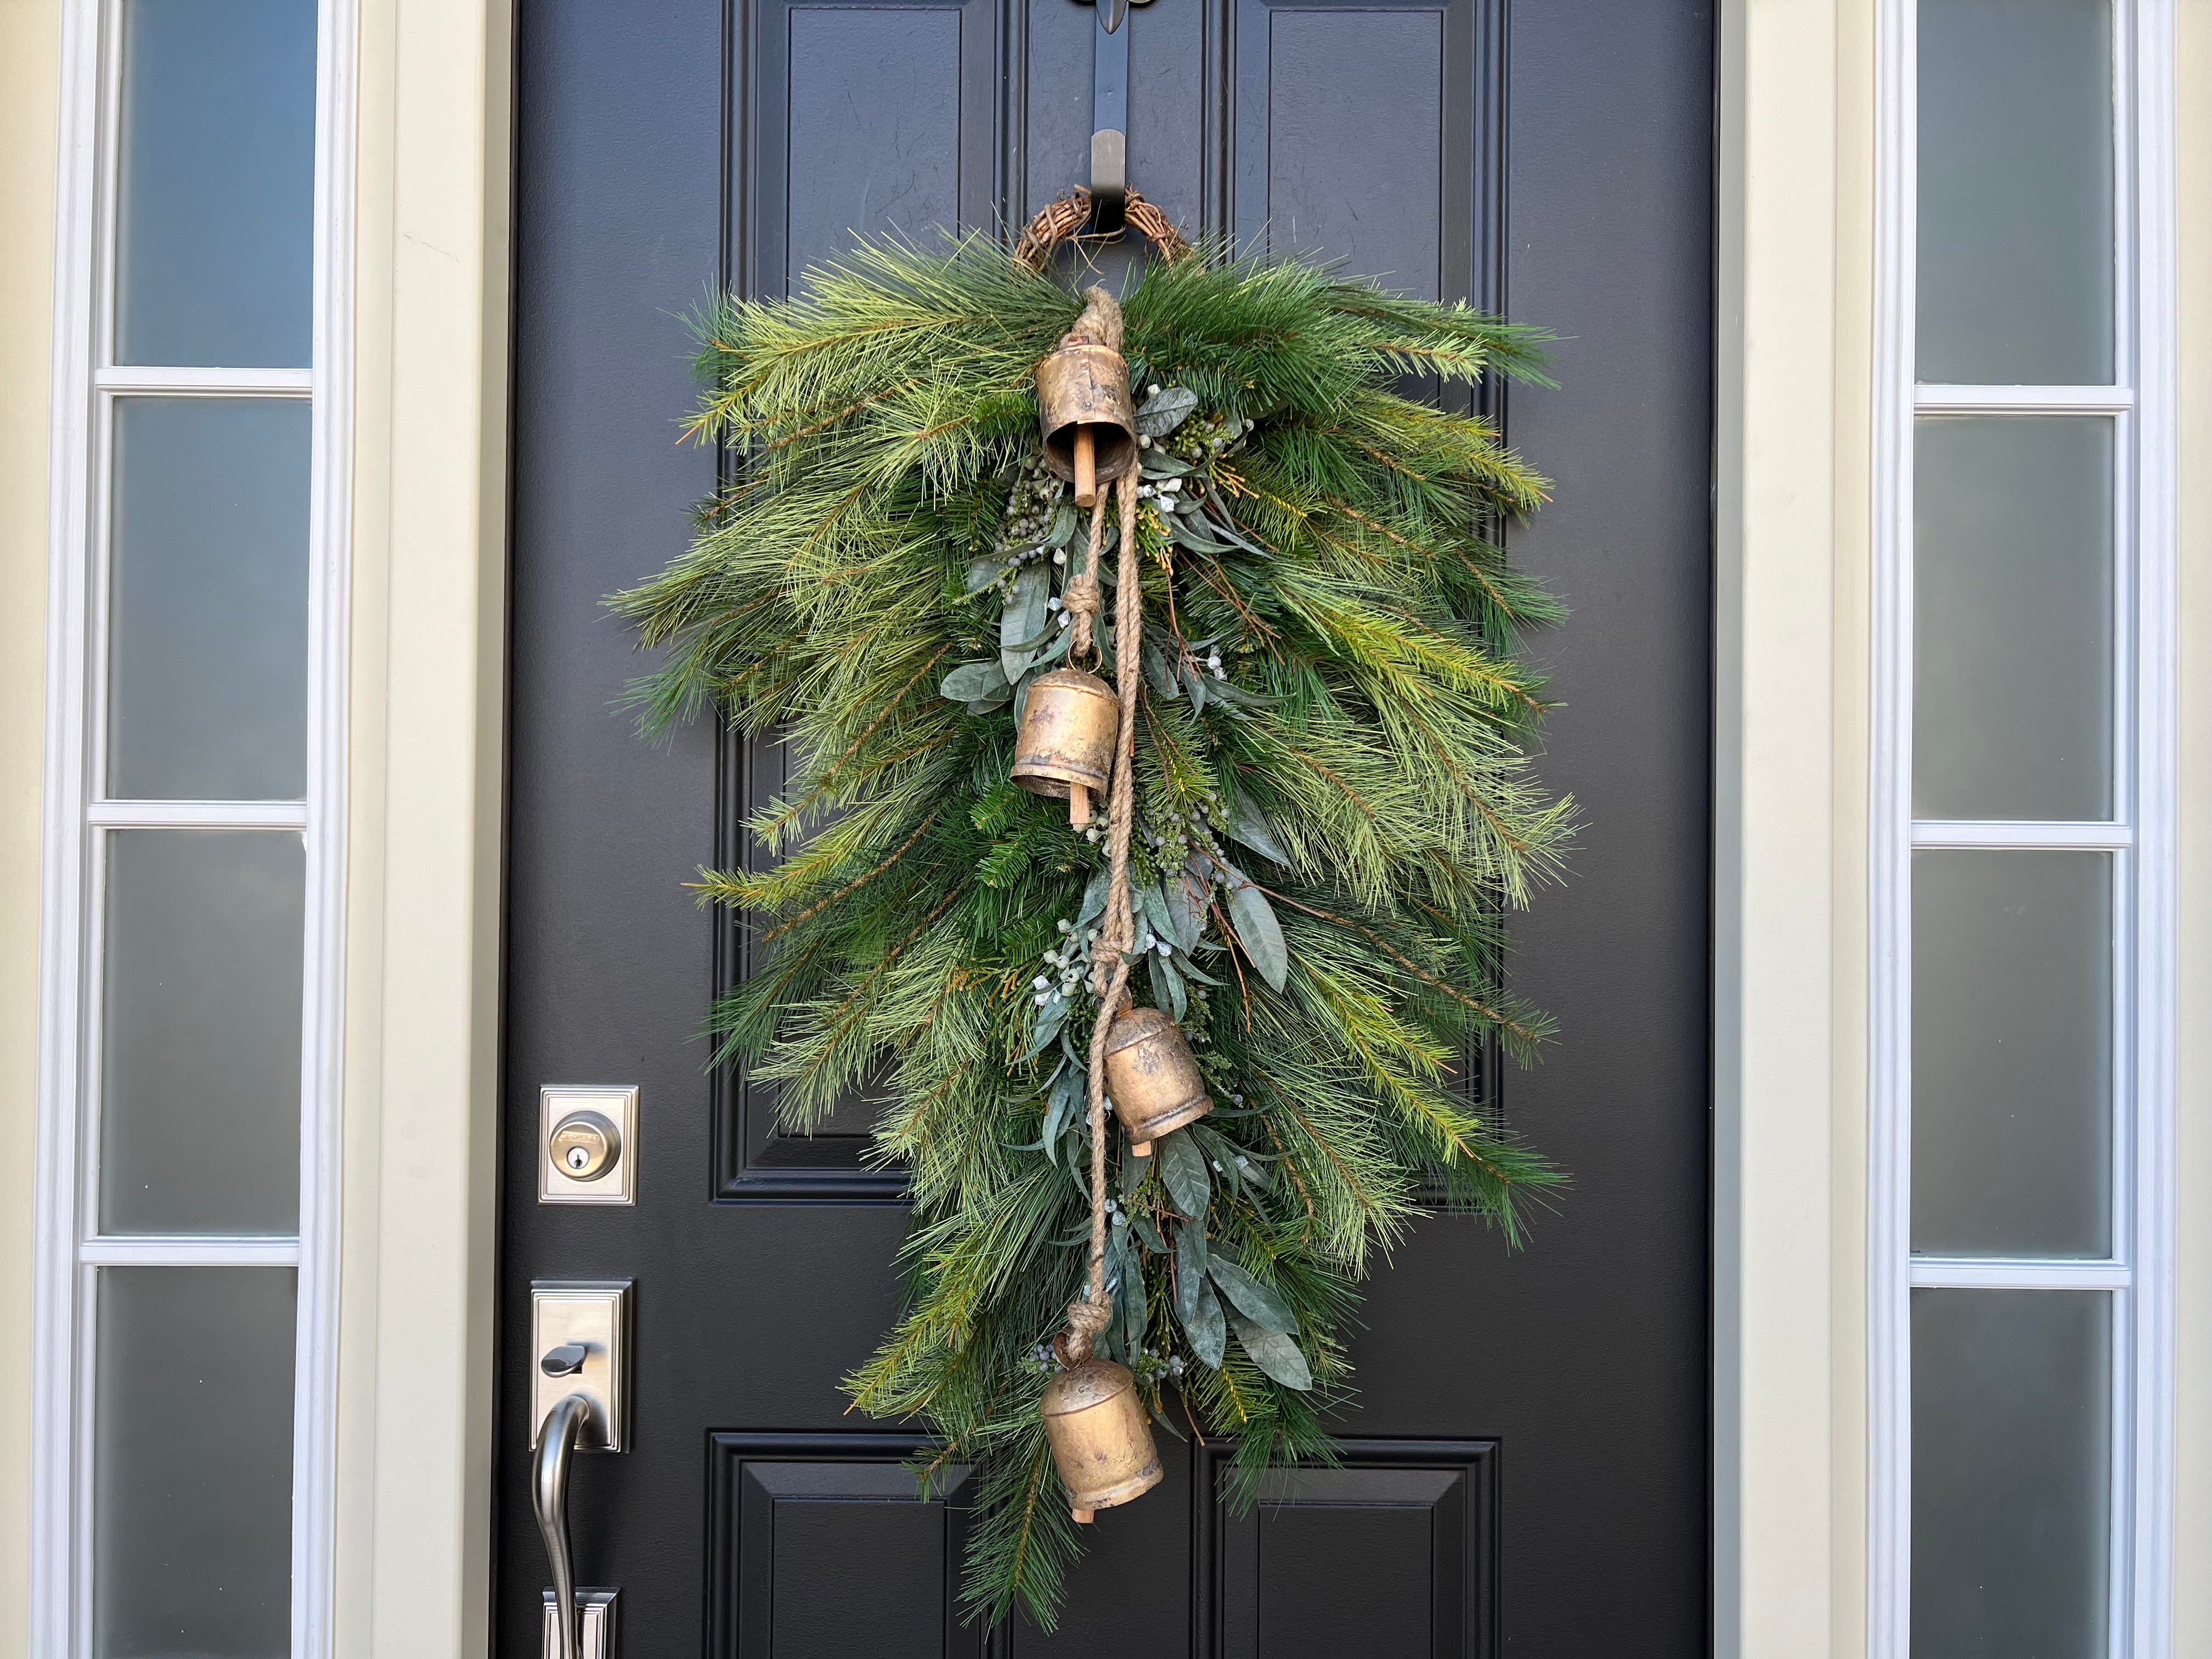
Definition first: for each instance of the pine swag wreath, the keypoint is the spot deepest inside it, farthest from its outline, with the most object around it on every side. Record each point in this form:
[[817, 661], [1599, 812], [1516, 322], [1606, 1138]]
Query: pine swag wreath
[[1329, 809]]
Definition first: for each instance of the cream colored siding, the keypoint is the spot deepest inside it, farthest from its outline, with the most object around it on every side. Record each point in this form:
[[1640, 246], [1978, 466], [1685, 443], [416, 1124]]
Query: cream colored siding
[[30, 48]]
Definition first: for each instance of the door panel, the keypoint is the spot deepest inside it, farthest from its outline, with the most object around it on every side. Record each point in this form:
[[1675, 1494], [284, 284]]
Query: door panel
[[885, 116], [1528, 1464], [800, 1521]]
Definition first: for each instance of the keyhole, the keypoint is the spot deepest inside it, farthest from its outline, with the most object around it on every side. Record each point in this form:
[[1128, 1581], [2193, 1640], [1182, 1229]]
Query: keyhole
[[578, 1158]]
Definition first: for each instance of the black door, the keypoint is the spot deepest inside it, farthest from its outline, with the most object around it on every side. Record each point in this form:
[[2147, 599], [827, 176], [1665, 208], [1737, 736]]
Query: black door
[[1526, 1470]]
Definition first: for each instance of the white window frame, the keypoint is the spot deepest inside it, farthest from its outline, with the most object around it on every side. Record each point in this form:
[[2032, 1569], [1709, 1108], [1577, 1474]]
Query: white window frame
[[69, 1250], [2141, 841]]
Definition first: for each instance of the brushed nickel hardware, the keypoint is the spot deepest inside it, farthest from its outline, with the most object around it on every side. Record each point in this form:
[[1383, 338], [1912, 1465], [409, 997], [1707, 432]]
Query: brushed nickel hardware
[[579, 1400], [587, 1144], [595, 1635], [585, 1322]]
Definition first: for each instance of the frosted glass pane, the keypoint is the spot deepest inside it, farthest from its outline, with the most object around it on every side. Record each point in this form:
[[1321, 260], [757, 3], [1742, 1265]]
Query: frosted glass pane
[[2012, 662], [216, 218], [200, 1033], [2011, 1473], [2015, 186], [192, 1464], [206, 677], [2012, 1054]]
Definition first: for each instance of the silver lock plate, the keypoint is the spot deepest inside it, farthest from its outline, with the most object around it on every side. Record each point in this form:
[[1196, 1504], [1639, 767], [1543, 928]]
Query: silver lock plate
[[587, 1145], [592, 1315], [597, 1631]]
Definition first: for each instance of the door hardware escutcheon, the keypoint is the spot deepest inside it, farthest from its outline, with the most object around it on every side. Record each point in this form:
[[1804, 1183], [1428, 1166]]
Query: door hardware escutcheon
[[579, 1401], [587, 1145]]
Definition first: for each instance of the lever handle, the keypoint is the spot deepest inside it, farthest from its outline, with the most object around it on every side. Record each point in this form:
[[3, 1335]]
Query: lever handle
[[548, 1496], [566, 1361]]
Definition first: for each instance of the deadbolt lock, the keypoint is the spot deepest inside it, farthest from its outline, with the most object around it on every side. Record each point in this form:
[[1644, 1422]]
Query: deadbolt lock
[[587, 1145]]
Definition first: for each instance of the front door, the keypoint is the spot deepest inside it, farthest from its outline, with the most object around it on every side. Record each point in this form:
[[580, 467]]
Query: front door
[[1525, 1465]]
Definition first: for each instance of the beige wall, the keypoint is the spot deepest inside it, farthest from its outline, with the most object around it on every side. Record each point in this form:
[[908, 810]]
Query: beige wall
[[30, 46]]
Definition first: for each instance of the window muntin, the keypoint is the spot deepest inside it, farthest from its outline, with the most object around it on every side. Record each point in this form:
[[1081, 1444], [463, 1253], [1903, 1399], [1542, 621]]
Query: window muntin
[[2021, 878], [191, 959]]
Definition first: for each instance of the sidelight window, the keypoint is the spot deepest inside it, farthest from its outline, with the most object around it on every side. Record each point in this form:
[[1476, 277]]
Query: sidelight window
[[2022, 882], [195, 788]]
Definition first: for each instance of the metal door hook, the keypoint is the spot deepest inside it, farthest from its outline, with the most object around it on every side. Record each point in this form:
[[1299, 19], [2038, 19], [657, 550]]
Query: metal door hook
[[1110, 120]]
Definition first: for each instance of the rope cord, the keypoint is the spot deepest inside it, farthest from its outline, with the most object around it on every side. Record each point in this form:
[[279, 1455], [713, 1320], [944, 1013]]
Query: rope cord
[[1110, 956]]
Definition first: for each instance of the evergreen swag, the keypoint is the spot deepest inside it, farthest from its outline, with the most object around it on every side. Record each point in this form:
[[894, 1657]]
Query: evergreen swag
[[1333, 804]]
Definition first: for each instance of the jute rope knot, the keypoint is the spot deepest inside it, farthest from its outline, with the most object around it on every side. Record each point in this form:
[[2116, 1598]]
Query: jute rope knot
[[1117, 932], [1099, 325]]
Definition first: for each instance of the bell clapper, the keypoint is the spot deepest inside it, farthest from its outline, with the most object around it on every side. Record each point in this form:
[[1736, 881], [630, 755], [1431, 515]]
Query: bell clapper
[[1078, 804], [1084, 1517], [1140, 1149], [1086, 467]]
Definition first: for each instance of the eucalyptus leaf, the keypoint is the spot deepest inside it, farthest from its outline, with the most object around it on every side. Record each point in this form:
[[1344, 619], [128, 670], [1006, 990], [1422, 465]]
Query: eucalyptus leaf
[[1182, 1171], [1250, 1297], [1194, 679], [1248, 824], [1181, 529], [987, 705], [1159, 463], [1192, 1248], [1094, 899], [1063, 526], [1274, 1353], [1165, 410], [1184, 897], [1168, 990], [982, 575], [975, 682], [1049, 1019], [1132, 1296], [1190, 969], [1154, 898], [1156, 670], [1222, 524], [1070, 1093], [1257, 929], [1146, 1229], [1206, 1327], [1230, 691], [1021, 624]]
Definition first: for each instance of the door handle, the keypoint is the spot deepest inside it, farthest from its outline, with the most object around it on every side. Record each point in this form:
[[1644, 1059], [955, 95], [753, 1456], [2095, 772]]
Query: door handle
[[548, 1496], [579, 1400]]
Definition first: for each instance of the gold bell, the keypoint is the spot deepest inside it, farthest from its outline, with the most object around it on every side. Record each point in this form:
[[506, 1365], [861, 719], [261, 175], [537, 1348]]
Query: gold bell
[[1086, 416], [1067, 741], [1153, 1077], [1100, 1436]]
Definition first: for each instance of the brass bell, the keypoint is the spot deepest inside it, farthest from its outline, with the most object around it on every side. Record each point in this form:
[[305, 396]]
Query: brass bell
[[1152, 1077], [1100, 1437], [1087, 418], [1066, 743]]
